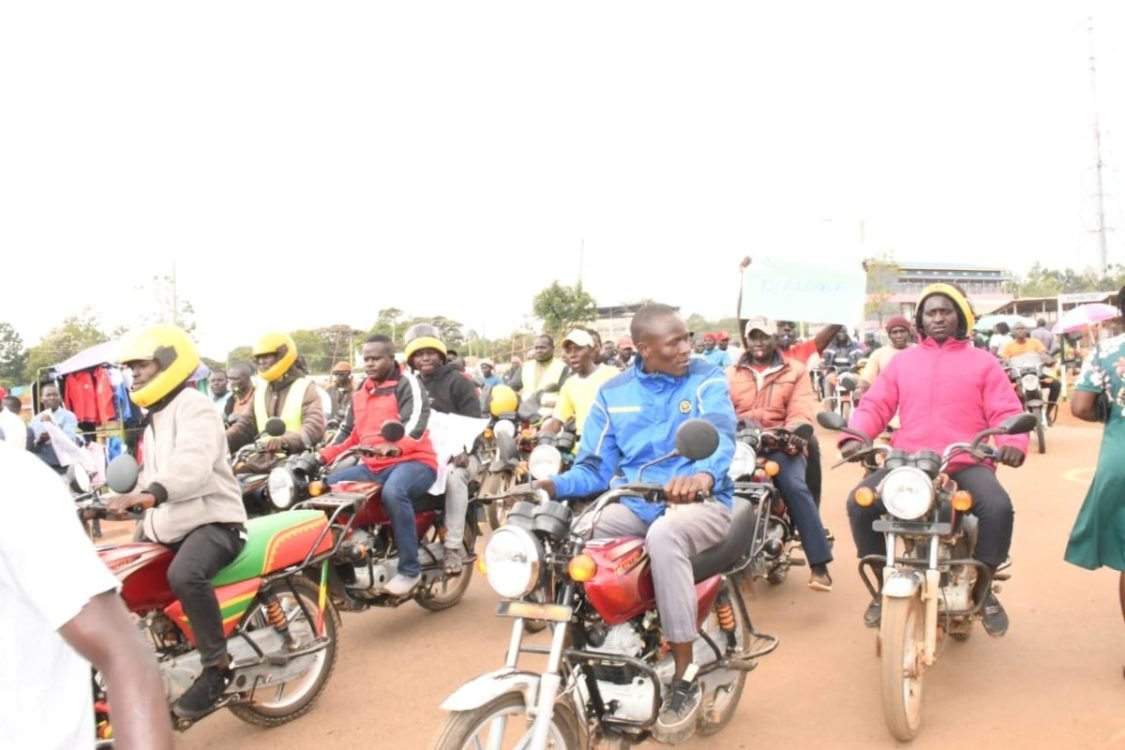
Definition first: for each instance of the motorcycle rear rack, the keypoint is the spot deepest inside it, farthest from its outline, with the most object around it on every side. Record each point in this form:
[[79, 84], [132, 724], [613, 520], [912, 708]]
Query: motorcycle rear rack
[[871, 561]]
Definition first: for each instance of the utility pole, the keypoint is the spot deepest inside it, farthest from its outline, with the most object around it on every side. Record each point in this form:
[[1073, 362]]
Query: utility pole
[[1103, 257]]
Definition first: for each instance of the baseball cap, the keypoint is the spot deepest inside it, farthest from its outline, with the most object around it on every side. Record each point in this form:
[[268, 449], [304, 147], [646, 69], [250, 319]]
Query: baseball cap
[[579, 337], [763, 324]]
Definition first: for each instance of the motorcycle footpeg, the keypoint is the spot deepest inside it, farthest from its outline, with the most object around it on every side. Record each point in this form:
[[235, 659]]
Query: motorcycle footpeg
[[797, 562]]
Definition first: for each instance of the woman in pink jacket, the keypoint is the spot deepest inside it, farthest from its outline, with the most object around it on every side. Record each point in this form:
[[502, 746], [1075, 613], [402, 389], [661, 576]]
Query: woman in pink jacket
[[945, 391]]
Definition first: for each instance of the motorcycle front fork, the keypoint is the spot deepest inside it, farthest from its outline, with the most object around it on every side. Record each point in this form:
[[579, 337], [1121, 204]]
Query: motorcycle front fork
[[930, 589]]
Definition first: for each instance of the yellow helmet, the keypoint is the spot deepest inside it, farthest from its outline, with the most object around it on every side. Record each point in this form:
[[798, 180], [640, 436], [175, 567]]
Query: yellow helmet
[[502, 399], [423, 336], [282, 344], [171, 348]]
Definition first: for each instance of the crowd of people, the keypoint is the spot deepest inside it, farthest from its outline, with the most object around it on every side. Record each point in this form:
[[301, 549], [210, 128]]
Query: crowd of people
[[624, 400]]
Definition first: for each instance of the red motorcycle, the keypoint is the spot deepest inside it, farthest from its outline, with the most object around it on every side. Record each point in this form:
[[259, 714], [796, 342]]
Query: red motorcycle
[[365, 556], [281, 632], [608, 663]]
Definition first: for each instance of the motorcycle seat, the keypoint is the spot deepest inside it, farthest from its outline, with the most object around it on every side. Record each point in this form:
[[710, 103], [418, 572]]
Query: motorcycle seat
[[726, 553]]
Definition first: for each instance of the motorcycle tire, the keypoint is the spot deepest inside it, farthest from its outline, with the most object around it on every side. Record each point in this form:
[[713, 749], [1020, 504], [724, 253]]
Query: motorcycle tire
[[444, 593], [497, 484], [717, 710], [274, 713], [473, 728], [1041, 436], [901, 634]]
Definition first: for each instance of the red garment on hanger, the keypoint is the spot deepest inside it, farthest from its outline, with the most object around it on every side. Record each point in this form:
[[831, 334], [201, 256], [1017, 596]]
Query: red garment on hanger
[[80, 396]]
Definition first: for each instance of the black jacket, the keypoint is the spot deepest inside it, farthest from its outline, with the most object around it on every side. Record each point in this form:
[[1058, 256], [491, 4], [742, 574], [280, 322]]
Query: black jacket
[[451, 392]]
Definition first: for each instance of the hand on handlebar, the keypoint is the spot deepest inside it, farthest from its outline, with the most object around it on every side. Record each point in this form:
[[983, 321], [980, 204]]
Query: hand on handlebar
[[850, 447], [275, 445], [1009, 455], [688, 489], [546, 485], [131, 502]]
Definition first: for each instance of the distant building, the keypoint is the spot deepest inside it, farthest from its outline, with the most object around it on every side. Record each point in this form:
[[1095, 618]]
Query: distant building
[[983, 284], [613, 321]]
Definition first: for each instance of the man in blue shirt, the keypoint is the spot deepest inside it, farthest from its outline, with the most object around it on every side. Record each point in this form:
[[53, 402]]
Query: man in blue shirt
[[53, 413], [634, 421]]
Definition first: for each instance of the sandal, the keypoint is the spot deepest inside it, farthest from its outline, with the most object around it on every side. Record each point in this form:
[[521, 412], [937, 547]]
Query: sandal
[[451, 562]]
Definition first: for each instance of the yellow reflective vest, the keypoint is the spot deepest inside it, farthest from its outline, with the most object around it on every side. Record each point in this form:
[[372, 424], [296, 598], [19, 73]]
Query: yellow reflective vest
[[290, 410]]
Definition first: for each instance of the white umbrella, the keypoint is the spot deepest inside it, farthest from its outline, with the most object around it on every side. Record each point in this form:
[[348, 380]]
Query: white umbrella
[[1085, 315]]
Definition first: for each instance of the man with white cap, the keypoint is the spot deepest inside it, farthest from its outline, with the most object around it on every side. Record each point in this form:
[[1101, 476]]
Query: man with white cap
[[576, 397], [771, 391]]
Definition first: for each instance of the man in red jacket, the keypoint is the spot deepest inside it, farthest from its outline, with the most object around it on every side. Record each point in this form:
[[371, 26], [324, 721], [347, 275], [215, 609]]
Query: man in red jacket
[[406, 468]]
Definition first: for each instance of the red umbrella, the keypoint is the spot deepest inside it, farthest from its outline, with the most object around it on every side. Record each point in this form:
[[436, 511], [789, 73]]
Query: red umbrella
[[1085, 315]]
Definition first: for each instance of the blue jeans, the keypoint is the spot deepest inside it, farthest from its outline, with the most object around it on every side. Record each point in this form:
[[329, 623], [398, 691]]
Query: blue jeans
[[802, 508], [402, 485]]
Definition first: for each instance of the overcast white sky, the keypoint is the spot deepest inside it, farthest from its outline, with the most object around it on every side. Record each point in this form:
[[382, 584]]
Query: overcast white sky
[[311, 163]]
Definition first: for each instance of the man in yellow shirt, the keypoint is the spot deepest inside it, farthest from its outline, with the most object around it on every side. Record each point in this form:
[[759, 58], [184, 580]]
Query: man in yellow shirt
[[576, 397], [1022, 343]]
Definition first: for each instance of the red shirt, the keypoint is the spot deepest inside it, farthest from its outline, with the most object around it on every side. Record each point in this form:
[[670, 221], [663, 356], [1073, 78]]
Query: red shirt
[[801, 352]]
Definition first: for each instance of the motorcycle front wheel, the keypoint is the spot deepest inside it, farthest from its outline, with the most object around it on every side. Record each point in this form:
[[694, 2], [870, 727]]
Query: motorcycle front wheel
[[497, 484], [902, 636], [503, 723], [447, 591], [271, 705], [1040, 430]]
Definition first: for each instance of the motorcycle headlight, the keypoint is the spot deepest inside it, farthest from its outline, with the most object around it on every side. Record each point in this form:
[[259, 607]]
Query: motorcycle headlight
[[907, 493], [1030, 382], [544, 461], [281, 484], [512, 562], [743, 463], [504, 427], [79, 479]]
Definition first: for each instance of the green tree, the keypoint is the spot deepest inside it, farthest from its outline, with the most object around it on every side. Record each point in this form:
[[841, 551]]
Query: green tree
[[389, 323], [74, 334], [13, 356], [563, 307], [882, 282], [240, 354]]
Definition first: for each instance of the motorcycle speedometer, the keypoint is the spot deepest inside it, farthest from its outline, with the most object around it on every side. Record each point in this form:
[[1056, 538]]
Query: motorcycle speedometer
[[512, 559], [907, 493], [281, 484]]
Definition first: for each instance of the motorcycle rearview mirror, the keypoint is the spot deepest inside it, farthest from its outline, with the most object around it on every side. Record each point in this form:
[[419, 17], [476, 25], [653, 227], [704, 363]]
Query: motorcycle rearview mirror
[[696, 439], [121, 474], [275, 427], [392, 431], [1018, 424], [830, 420], [545, 461], [78, 479]]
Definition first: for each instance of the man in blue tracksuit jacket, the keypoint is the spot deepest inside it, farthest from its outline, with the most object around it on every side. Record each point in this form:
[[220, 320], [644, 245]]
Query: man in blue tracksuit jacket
[[633, 422]]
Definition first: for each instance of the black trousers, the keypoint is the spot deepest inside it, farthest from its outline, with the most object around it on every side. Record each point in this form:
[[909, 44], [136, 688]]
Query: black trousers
[[991, 506], [813, 476], [199, 556]]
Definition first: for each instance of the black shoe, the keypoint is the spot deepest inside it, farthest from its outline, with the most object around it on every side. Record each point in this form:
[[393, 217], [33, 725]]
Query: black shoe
[[993, 616], [676, 722], [874, 613], [200, 698]]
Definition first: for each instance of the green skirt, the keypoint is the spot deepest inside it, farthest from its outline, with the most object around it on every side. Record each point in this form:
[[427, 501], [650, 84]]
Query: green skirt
[[1098, 536]]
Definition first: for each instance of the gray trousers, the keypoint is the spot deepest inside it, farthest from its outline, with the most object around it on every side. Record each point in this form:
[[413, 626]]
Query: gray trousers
[[457, 501], [671, 541]]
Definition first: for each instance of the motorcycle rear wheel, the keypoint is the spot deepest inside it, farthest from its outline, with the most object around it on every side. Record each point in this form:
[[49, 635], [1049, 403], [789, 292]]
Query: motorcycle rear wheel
[[720, 704], [497, 484], [283, 708], [505, 715], [902, 637], [446, 592]]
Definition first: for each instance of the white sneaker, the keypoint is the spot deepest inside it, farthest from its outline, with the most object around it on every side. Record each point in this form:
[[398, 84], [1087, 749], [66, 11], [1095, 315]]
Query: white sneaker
[[402, 585]]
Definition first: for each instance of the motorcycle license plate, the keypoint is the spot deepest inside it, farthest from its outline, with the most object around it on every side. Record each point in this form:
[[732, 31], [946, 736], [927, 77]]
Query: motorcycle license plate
[[534, 611]]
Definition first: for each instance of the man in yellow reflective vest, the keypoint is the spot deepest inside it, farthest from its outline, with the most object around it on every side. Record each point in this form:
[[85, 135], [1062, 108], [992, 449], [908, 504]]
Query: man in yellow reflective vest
[[285, 392], [543, 370]]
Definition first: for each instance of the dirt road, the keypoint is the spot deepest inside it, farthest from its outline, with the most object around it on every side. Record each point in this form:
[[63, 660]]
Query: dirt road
[[1055, 681]]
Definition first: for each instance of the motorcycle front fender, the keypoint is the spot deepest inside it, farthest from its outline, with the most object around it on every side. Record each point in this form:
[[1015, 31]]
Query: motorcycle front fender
[[901, 584], [491, 685]]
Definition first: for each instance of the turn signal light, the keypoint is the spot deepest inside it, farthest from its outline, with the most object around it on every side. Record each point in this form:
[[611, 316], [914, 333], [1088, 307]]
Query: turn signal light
[[481, 567], [864, 496], [582, 568], [316, 489], [773, 468], [962, 501]]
